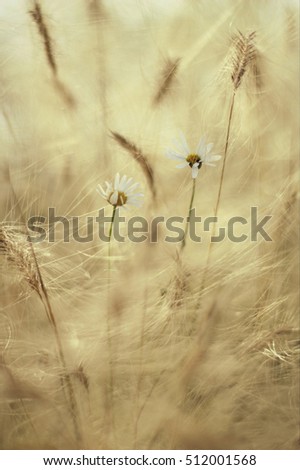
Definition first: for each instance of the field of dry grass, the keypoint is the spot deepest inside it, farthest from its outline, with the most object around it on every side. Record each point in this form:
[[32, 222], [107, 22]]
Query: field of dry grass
[[148, 345]]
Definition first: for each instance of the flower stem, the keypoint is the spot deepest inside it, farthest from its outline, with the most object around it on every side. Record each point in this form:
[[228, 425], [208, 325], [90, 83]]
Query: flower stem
[[110, 389], [190, 209], [111, 227]]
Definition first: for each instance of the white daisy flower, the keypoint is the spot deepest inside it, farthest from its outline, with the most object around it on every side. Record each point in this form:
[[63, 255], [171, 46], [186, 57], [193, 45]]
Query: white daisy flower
[[121, 192], [202, 156]]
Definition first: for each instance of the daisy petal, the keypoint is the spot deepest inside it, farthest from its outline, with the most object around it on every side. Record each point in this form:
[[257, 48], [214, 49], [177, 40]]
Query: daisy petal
[[209, 147], [114, 198], [101, 191], [117, 180], [122, 183], [195, 171], [127, 184], [182, 165], [132, 188], [212, 158], [201, 149], [174, 155], [203, 152], [184, 143], [121, 192]]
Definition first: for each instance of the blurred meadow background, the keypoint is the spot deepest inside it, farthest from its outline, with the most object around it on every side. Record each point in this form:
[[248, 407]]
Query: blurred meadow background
[[152, 347]]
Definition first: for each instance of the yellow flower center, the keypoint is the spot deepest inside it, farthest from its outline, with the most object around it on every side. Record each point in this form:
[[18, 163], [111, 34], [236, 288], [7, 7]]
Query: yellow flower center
[[122, 199], [194, 158]]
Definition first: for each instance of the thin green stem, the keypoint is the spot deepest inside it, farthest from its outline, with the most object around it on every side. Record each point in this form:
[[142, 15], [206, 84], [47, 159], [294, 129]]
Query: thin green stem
[[110, 352], [183, 243], [111, 227]]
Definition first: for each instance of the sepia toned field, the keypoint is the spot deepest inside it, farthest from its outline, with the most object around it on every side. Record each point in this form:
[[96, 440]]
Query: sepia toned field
[[152, 345]]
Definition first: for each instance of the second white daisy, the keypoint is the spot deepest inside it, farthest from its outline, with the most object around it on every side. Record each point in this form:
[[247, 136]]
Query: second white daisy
[[183, 154], [121, 192]]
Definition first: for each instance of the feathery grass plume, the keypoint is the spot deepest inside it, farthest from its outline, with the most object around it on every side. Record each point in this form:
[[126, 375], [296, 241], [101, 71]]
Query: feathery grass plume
[[256, 71], [244, 53], [40, 288], [39, 19], [139, 157], [14, 247], [167, 78]]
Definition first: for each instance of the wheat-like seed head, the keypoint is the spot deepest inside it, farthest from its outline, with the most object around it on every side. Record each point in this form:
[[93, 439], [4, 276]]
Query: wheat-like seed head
[[167, 77], [139, 156], [244, 53], [16, 249], [38, 18]]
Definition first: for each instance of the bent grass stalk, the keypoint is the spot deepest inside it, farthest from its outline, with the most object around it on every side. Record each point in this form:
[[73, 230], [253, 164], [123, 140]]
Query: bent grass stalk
[[35, 280], [43, 295], [139, 156]]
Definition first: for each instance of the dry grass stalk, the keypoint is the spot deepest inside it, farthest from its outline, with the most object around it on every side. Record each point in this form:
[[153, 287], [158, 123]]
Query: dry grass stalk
[[43, 29], [14, 247], [139, 157], [243, 56], [39, 19], [167, 77], [40, 288], [80, 374], [21, 254], [66, 94], [244, 53]]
